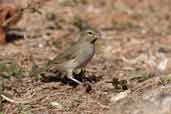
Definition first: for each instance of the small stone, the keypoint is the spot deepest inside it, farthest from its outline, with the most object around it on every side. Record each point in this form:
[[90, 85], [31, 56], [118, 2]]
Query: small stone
[[56, 105]]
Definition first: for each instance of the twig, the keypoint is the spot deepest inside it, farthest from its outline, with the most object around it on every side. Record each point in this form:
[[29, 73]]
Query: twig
[[146, 84], [21, 101], [1, 90], [30, 99]]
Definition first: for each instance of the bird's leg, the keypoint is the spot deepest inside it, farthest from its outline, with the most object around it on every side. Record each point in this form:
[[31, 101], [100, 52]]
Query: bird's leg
[[83, 70], [70, 76], [77, 71]]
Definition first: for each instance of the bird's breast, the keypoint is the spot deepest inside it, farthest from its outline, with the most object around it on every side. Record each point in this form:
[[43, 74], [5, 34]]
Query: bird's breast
[[86, 54], [82, 56]]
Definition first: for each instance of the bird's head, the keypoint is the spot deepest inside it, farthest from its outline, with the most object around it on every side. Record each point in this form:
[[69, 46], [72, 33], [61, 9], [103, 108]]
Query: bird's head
[[90, 35]]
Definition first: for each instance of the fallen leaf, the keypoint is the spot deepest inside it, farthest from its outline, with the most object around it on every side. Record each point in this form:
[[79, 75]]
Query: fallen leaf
[[2, 36]]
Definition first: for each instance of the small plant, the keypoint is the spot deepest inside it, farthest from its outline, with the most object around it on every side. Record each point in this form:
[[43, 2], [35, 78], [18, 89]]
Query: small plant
[[24, 109], [57, 44], [165, 79], [11, 69], [139, 76]]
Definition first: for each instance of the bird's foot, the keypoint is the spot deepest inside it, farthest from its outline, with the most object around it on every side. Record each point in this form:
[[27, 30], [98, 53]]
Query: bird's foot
[[75, 80]]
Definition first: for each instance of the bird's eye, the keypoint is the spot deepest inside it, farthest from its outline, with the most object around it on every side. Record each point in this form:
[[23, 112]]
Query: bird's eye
[[90, 33]]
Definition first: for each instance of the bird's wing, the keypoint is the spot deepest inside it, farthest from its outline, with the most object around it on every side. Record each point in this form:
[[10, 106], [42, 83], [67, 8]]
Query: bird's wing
[[54, 65], [57, 63], [67, 55]]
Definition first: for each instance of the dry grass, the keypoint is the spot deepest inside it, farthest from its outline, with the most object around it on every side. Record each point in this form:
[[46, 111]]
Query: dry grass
[[134, 48]]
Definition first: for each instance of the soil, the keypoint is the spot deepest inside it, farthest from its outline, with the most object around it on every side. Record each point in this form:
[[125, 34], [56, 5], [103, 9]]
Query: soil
[[133, 56]]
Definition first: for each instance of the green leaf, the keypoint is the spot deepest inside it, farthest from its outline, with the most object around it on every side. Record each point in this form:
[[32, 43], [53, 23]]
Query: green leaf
[[2, 67]]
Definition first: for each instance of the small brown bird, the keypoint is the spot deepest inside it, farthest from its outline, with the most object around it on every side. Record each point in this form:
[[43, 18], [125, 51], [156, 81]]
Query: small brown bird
[[77, 56]]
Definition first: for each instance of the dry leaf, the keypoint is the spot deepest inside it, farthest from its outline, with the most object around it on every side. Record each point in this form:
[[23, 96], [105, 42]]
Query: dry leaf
[[2, 36]]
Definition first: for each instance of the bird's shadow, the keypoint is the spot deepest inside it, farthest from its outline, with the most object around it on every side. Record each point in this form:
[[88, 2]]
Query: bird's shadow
[[83, 77], [13, 34]]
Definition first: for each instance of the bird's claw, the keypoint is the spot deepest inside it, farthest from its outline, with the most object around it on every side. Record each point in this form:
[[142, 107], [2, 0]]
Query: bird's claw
[[75, 80]]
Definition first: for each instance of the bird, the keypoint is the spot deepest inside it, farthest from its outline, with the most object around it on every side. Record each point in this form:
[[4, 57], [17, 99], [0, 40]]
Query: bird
[[75, 57]]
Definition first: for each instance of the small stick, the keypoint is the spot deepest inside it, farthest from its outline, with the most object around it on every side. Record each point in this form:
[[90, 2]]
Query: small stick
[[1, 90]]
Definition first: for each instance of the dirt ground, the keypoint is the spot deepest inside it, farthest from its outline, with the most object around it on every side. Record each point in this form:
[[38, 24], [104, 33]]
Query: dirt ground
[[132, 61]]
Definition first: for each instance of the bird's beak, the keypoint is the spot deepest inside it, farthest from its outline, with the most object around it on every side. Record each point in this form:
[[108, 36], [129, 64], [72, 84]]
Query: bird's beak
[[98, 35]]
